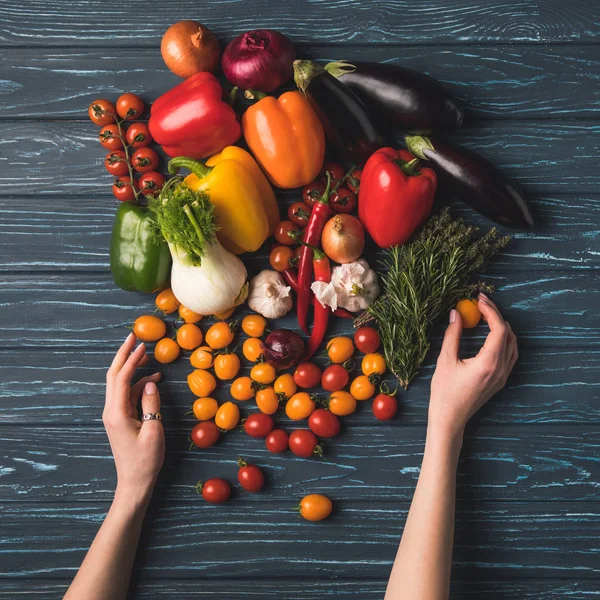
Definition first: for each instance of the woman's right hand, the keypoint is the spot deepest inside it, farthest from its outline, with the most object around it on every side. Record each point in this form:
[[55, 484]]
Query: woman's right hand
[[459, 388]]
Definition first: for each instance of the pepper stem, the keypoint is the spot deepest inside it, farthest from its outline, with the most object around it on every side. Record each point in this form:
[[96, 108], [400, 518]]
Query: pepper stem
[[304, 72], [339, 67], [409, 167], [197, 168], [254, 95], [417, 144]]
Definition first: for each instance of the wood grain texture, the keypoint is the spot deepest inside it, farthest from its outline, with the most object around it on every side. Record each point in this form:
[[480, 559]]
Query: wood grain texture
[[516, 82], [110, 23]]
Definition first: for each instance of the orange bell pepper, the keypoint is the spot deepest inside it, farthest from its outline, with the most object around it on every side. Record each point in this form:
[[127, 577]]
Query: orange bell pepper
[[286, 138]]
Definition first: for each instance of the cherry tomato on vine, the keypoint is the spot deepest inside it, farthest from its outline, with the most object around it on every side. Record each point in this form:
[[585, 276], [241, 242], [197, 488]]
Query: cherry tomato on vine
[[366, 339], [304, 443], [254, 325], [251, 349], [205, 409], [130, 107], [258, 425], [138, 135], [373, 364], [116, 163], [202, 358], [307, 375], [102, 112], [166, 351], [251, 478], [335, 170], [299, 213], [340, 349], [311, 192], [151, 183], [324, 423], [228, 416], [205, 434], [123, 189], [189, 336], [353, 181], [267, 401], [214, 490], [166, 302], [282, 229], [189, 316], [280, 258], [385, 407], [299, 406], [362, 388], [149, 328], [277, 441], [109, 137], [342, 403], [343, 201], [315, 507], [241, 389], [219, 335], [226, 366], [144, 160], [285, 385]]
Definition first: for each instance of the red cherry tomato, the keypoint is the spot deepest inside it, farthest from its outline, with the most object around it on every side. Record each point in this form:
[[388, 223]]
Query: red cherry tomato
[[336, 172], [281, 232], [130, 107], [116, 163], [251, 478], [311, 192], [215, 490], [343, 201], [205, 434], [277, 441], [367, 340], [324, 423], [307, 375], [280, 258], [144, 160], [102, 112], [299, 213], [385, 407], [138, 135], [123, 189], [151, 183], [109, 137], [353, 181], [304, 443], [334, 378], [258, 425]]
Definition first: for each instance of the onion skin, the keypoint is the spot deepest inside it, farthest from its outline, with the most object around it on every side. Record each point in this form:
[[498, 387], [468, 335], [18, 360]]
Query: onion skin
[[343, 238], [188, 47], [283, 348], [260, 60]]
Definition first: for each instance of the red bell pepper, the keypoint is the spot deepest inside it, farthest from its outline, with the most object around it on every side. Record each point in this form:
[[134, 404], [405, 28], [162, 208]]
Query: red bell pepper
[[395, 196], [192, 119]]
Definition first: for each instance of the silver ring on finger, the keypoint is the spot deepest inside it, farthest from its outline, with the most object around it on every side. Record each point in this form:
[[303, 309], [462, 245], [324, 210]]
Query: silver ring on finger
[[155, 416]]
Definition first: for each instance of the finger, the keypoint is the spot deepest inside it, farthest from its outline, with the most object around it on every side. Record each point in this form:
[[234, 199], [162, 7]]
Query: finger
[[123, 379], [451, 344], [495, 342], [150, 404], [509, 344], [136, 389], [122, 353]]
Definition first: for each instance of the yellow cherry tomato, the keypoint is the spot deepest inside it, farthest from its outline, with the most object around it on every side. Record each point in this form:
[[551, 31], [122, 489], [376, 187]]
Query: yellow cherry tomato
[[340, 349], [227, 416], [342, 403], [468, 308], [267, 400], [225, 314], [149, 328], [202, 358], [300, 406], [166, 351], [219, 335], [166, 302], [205, 409], [251, 349], [254, 325], [227, 366], [285, 385], [189, 316], [263, 373], [362, 388], [373, 364], [315, 507], [241, 389], [189, 336], [202, 383]]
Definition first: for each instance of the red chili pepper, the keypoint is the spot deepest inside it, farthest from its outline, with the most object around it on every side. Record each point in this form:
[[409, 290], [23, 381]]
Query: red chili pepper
[[321, 318], [343, 313], [291, 278]]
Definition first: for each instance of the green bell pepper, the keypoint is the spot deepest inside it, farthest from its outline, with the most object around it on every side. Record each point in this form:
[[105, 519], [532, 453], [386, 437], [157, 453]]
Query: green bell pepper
[[138, 261]]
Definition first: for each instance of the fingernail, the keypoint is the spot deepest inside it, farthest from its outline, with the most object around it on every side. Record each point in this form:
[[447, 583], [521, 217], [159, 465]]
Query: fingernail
[[128, 338], [150, 388], [483, 297], [452, 315]]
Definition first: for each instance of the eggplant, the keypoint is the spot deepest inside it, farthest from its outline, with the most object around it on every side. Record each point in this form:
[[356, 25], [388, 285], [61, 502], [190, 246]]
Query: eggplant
[[347, 124], [479, 183], [404, 97]]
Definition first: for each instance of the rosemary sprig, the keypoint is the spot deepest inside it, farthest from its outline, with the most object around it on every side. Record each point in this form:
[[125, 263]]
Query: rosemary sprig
[[422, 280]]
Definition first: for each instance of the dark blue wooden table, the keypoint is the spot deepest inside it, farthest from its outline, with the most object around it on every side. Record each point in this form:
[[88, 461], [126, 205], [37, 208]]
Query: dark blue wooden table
[[528, 519]]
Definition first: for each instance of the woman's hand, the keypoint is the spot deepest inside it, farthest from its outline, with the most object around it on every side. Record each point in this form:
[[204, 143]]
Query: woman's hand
[[138, 446], [459, 388]]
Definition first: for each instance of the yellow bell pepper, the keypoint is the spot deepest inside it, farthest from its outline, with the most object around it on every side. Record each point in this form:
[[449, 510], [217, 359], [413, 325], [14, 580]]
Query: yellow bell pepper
[[245, 205]]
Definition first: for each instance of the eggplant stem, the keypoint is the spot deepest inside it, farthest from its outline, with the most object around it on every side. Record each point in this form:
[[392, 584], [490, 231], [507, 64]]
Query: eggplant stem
[[416, 145], [304, 72], [339, 67]]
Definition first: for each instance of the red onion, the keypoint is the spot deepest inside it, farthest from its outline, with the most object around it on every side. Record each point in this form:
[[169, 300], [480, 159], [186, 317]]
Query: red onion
[[283, 348], [259, 60]]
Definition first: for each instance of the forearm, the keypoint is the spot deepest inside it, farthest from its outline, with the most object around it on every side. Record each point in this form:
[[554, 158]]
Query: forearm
[[106, 569], [422, 567]]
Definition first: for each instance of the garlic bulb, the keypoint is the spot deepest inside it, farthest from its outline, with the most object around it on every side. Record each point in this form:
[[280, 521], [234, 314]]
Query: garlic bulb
[[269, 296], [356, 285]]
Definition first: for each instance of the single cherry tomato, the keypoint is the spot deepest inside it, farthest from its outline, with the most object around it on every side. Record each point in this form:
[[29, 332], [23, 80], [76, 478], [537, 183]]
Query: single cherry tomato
[[205, 435], [311, 192], [324, 423], [166, 302], [340, 349], [280, 258], [353, 180], [315, 507], [202, 358], [219, 335], [304, 443], [385, 407], [138, 135], [282, 230], [342, 403], [335, 170], [166, 351], [342, 201], [267, 401], [307, 375], [252, 349], [149, 328], [228, 416], [151, 183], [367, 340], [222, 316], [263, 373], [189, 316], [285, 385], [205, 409], [130, 107], [109, 137], [242, 389], [299, 406], [334, 378], [144, 160], [116, 163], [468, 308], [202, 383], [251, 478], [227, 366], [362, 388], [123, 189], [299, 213], [215, 491], [277, 441], [258, 425], [102, 112], [373, 364], [189, 336], [254, 325]]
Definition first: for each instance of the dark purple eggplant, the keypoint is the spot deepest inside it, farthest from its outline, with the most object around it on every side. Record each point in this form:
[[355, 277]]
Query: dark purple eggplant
[[401, 96], [477, 181], [347, 124]]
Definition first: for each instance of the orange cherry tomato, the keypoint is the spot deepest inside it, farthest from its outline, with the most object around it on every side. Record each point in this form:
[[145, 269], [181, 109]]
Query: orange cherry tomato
[[280, 258], [189, 316], [166, 351], [267, 400], [166, 302], [362, 388], [300, 406], [189, 336], [251, 349], [263, 373], [225, 314], [205, 409], [340, 349], [202, 358], [373, 364], [149, 328], [315, 507], [285, 385], [254, 325], [228, 416], [202, 383], [242, 389], [102, 112], [226, 366], [468, 308], [130, 107], [219, 335], [342, 403]]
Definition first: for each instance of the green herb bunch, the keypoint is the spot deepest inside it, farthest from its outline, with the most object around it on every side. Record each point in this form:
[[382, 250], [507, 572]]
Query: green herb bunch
[[422, 280]]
